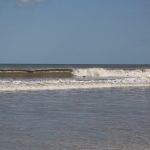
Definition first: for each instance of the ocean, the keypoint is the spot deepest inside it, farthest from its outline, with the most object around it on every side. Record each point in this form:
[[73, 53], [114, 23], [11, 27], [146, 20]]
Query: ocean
[[75, 107]]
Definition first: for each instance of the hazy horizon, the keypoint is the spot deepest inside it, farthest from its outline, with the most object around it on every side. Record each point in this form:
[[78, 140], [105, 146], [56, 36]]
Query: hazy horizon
[[74, 32]]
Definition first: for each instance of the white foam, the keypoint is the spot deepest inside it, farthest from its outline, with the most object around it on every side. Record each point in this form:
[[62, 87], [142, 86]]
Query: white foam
[[11, 85], [101, 72]]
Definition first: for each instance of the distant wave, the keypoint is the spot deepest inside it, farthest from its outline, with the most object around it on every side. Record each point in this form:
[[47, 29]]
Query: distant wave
[[36, 73]]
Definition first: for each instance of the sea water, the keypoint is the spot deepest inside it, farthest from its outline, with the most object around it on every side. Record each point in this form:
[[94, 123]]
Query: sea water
[[96, 108]]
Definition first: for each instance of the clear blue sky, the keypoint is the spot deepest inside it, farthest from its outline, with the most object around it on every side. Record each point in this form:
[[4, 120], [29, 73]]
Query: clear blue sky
[[75, 31]]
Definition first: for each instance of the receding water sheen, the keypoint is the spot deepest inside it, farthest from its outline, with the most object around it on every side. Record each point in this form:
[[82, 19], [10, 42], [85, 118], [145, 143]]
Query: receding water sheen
[[85, 119]]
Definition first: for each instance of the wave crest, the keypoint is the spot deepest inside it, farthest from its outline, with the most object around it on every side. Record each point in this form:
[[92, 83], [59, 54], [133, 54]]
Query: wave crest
[[101, 72]]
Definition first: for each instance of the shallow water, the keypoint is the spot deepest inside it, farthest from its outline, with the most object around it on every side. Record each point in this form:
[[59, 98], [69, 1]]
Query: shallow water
[[85, 119]]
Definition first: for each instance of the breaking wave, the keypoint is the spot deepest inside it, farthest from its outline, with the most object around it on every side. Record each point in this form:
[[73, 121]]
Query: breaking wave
[[77, 72], [102, 72], [75, 78]]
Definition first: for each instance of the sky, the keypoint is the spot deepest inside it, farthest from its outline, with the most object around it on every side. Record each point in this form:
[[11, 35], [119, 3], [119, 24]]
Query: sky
[[75, 31]]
